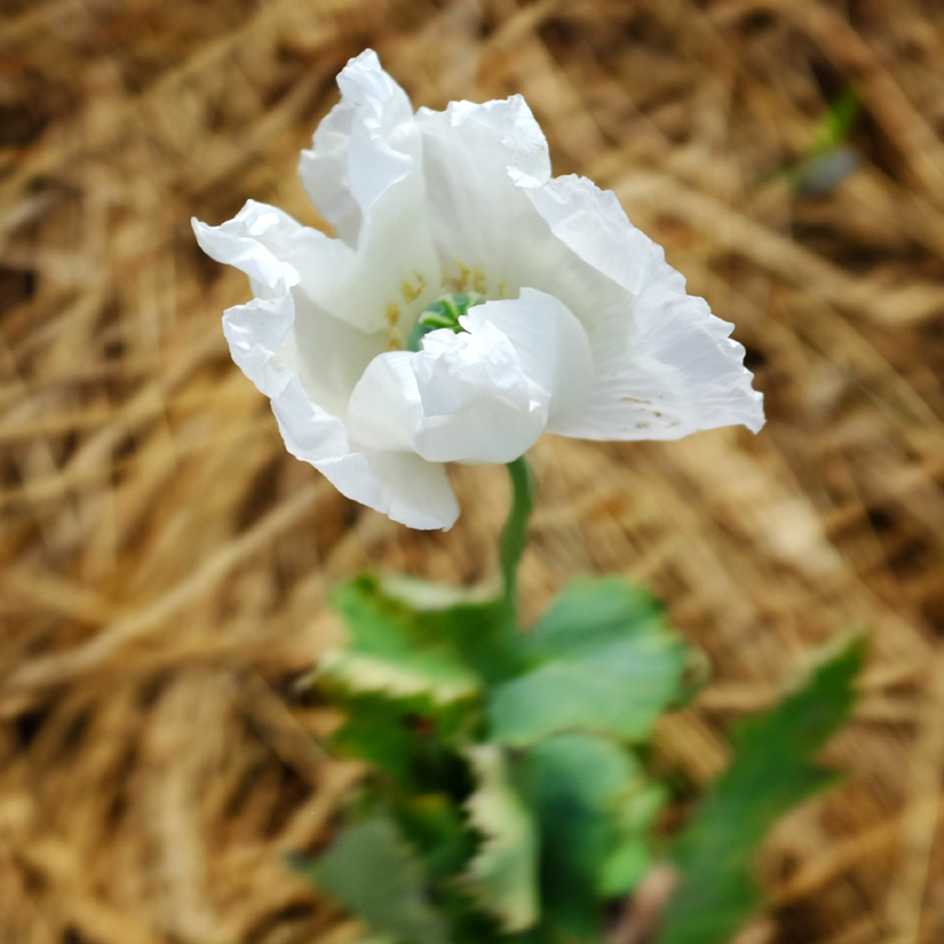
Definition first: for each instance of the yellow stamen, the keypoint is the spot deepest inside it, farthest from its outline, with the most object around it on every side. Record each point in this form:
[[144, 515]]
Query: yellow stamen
[[412, 291]]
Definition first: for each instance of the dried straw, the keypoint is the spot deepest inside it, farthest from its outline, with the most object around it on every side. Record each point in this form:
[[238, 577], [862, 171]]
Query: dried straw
[[164, 562]]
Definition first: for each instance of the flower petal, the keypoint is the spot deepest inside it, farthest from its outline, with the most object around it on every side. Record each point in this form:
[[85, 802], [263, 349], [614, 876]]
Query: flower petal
[[400, 485], [552, 347], [666, 366], [258, 334], [365, 173], [364, 145], [415, 492], [307, 362], [255, 242], [468, 150], [330, 355], [295, 270], [463, 398], [279, 253]]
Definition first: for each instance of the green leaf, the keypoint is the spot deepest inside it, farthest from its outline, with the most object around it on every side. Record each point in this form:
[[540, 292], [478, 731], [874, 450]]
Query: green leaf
[[602, 660], [424, 597], [407, 637], [412, 739], [773, 769], [395, 650], [503, 876], [435, 826], [480, 627], [595, 807], [375, 874]]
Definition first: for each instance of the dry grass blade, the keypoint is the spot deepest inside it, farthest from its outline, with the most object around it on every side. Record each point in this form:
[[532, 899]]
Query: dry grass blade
[[164, 562]]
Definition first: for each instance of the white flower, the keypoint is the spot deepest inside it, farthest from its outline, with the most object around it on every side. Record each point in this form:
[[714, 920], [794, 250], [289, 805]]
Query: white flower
[[586, 331]]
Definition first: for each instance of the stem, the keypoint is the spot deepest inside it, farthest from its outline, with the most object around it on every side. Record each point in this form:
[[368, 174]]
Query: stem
[[515, 532]]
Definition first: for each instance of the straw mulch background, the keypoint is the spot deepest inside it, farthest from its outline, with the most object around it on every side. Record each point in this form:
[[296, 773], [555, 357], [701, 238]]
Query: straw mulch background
[[165, 563]]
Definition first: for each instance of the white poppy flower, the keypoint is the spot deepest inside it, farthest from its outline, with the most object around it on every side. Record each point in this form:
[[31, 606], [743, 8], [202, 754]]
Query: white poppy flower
[[579, 326]]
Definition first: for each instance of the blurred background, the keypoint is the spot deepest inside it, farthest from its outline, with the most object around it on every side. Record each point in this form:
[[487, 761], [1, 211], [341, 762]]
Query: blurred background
[[165, 562]]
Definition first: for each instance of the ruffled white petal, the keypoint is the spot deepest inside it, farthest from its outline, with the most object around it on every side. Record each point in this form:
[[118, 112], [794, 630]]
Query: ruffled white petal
[[476, 209], [665, 366], [255, 242], [364, 145], [402, 486], [259, 335], [307, 362], [552, 348], [478, 403], [278, 253], [683, 372], [593, 225], [415, 492], [384, 411], [330, 355], [298, 270], [365, 173], [464, 398]]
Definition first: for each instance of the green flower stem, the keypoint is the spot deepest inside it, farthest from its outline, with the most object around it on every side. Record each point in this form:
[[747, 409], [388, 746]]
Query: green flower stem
[[515, 533]]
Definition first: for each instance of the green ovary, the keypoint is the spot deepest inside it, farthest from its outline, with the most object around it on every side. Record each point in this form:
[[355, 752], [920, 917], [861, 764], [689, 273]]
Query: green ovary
[[445, 312]]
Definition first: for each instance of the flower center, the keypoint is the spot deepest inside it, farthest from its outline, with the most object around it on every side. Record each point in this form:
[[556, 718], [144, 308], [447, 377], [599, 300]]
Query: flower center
[[445, 312]]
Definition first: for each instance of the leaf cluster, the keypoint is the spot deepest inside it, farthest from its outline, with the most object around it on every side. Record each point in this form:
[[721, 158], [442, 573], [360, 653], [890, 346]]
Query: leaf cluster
[[508, 796]]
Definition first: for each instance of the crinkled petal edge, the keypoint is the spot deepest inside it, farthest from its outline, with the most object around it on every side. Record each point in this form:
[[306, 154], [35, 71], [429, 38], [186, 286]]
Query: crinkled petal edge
[[402, 486]]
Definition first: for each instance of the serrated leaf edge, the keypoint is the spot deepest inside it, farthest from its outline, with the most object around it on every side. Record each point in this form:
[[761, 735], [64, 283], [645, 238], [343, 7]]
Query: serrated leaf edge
[[369, 675], [495, 800]]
